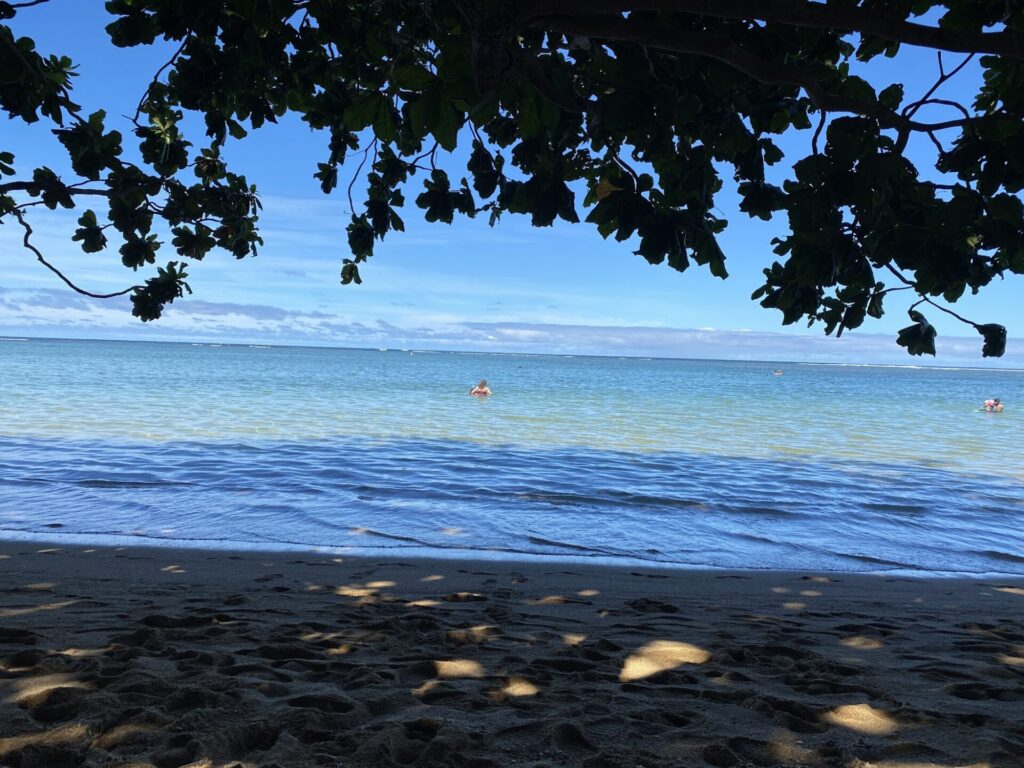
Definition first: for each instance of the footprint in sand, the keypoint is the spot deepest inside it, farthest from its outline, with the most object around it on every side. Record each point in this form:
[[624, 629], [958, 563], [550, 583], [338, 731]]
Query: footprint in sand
[[647, 605]]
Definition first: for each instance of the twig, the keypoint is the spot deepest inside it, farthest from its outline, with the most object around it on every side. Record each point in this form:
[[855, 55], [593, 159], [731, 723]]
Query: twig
[[911, 109], [351, 205], [156, 79], [817, 132], [926, 300], [27, 243]]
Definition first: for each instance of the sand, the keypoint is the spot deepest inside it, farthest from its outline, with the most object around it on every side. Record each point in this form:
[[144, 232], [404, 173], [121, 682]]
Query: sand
[[161, 657]]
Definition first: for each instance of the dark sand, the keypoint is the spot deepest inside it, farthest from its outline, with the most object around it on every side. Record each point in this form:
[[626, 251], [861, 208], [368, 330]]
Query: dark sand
[[161, 657]]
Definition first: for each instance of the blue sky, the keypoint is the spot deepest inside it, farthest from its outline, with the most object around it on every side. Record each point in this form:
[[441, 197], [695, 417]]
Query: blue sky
[[511, 288]]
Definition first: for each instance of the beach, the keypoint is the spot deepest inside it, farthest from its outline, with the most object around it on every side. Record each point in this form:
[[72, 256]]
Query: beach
[[171, 657]]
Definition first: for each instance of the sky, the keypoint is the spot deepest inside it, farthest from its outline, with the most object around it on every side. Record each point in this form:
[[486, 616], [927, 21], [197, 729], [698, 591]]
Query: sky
[[512, 288]]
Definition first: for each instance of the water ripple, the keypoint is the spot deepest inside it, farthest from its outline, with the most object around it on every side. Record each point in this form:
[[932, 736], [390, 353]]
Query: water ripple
[[443, 495]]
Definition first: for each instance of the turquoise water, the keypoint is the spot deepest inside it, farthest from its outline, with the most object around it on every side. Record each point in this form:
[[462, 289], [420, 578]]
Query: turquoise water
[[685, 463]]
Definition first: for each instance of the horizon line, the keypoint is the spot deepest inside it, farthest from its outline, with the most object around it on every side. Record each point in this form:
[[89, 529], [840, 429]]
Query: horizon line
[[207, 343]]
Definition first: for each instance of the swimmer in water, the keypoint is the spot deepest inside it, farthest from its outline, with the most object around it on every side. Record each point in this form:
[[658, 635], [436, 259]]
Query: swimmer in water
[[481, 389], [994, 405], [778, 371]]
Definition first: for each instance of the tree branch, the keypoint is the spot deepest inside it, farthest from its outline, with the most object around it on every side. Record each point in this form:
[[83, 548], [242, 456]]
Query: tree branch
[[798, 13], [911, 109], [26, 241], [663, 37], [25, 186], [156, 78], [926, 300]]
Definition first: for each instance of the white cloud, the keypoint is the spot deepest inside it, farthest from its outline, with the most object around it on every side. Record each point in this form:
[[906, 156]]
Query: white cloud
[[62, 313]]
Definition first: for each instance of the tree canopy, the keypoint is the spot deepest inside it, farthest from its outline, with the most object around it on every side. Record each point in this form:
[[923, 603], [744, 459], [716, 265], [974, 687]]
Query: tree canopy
[[631, 114]]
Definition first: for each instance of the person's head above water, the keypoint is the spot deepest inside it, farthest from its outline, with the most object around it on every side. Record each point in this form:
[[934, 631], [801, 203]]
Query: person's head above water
[[483, 384]]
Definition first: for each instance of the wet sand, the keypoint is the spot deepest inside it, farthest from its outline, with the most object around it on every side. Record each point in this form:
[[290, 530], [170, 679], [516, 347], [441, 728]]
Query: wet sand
[[166, 658]]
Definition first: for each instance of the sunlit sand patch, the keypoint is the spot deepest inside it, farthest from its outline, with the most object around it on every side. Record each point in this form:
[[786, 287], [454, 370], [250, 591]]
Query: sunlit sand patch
[[1011, 590], [788, 751], [661, 655], [425, 688], [589, 592], [794, 606], [433, 577], [458, 668], [42, 586], [549, 600], [85, 652], [66, 734], [369, 589], [862, 643], [354, 591], [312, 637], [573, 639], [517, 686], [34, 686], [120, 733], [863, 718], [478, 634], [366, 594], [9, 612]]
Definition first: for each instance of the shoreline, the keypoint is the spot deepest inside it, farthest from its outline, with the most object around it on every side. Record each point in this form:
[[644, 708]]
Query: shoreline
[[168, 657], [421, 553]]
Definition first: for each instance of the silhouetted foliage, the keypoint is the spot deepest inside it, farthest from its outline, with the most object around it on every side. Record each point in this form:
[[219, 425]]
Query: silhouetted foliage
[[640, 106]]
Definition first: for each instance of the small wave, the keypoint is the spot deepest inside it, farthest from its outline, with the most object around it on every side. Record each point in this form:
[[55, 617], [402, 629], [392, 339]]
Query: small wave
[[879, 561], [609, 498], [883, 507], [542, 542], [1005, 556], [391, 536], [101, 483], [769, 512]]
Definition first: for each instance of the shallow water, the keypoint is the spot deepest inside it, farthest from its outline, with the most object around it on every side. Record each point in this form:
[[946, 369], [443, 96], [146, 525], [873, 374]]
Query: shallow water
[[695, 463]]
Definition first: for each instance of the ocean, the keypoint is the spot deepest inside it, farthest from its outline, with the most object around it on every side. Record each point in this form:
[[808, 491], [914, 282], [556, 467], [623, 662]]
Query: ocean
[[671, 463]]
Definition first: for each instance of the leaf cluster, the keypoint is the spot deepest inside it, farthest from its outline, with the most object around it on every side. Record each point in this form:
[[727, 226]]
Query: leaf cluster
[[641, 120]]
